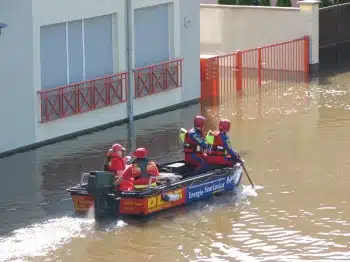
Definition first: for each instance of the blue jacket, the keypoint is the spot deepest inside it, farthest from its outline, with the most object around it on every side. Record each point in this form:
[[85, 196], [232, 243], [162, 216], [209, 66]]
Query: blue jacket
[[227, 145], [196, 137]]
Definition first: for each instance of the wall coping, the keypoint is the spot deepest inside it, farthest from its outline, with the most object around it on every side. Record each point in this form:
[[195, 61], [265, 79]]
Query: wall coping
[[292, 9]]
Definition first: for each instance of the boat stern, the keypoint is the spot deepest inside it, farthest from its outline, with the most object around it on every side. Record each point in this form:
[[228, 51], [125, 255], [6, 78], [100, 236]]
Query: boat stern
[[82, 200]]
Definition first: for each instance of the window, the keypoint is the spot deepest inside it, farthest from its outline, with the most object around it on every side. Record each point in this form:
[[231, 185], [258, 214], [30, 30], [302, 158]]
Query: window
[[151, 35], [75, 51]]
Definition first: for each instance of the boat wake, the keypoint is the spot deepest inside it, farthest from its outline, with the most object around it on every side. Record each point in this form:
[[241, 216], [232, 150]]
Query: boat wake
[[39, 239]]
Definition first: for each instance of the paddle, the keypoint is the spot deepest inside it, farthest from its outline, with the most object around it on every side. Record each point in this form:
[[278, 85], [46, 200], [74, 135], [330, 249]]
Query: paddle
[[245, 170]]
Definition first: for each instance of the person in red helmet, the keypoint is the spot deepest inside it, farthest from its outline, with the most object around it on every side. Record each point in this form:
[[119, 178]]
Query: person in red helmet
[[141, 173], [194, 143], [115, 162], [221, 152]]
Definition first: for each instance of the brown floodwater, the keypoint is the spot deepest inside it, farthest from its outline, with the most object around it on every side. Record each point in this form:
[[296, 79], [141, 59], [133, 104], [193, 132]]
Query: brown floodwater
[[295, 140]]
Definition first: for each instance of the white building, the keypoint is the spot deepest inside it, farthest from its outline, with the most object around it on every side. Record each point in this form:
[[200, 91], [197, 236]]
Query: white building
[[54, 43]]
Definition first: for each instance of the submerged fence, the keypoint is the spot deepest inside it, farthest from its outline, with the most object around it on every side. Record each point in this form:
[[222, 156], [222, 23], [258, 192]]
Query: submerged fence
[[288, 61]]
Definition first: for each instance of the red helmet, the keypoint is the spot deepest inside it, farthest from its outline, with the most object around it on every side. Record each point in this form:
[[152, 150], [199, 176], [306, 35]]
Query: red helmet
[[140, 153], [199, 122], [224, 125], [117, 148]]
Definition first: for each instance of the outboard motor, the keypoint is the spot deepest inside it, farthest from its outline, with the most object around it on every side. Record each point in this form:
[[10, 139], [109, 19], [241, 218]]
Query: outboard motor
[[100, 185]]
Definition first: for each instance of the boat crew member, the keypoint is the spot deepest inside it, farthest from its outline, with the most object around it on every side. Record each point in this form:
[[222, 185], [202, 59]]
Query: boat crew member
[[221, 152], [141, 173], [114, 161], [194, 143]]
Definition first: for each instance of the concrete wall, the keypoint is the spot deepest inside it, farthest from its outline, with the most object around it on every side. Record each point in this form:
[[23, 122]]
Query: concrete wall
[[51, 12], [189, 46], [20, 52], [225, 29], [102, 140], [16, 77]]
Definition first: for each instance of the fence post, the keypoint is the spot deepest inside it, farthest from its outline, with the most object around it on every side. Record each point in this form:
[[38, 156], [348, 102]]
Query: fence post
[[203, 71], [306, 57], [216, 75], [209, 68], [259, 66], [61, 103], [238, 70]]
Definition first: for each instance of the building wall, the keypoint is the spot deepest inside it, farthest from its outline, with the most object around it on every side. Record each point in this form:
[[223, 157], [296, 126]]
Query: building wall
[[16, 77], [154, 20], [49, 59], [118, 134], [189, 46], [224, 29]]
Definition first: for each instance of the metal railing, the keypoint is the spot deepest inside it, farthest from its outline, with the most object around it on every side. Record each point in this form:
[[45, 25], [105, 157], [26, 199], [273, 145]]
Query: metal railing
[[158, 78], [81, 97], [255, 67], [97, 93]]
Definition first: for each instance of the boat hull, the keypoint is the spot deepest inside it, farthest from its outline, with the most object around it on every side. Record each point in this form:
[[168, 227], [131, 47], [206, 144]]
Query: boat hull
[[153, 200]]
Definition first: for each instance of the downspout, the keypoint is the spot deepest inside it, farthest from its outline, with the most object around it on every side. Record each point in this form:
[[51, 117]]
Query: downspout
[[130, 103]]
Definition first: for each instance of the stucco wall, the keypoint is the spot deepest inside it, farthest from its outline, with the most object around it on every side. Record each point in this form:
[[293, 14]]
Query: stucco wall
[[16, 60], [225, 29], [189, 47], [105, 138], [51, 12]]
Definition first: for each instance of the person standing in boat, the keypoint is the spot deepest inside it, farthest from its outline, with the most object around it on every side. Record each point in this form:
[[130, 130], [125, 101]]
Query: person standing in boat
[[141, 173], [194, 144], [221, 152]]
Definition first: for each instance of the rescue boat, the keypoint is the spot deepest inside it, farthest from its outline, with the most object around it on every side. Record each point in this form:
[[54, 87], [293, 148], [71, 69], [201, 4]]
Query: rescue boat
[[176, 186]]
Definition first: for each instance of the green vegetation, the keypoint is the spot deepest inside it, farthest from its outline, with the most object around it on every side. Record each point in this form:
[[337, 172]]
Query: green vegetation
[[325, 3], [244, 2], [265, 2], [237, 2], [284, 3], [227, 2]]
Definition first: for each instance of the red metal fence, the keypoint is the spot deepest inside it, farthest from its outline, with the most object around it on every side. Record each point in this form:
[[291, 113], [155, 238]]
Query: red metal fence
[[82, 97], [158, 78], [255, 67], [89, 95]]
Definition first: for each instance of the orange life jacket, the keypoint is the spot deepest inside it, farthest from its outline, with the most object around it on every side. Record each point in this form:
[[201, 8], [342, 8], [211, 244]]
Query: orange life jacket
[[217, 147], [142, 170]]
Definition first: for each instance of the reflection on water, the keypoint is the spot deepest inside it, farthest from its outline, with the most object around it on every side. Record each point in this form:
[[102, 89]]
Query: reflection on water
[[296, 140]]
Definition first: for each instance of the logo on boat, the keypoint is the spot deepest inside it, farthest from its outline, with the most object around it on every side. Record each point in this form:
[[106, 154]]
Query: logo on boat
[[157, 203], [209, 188], [230, 179]]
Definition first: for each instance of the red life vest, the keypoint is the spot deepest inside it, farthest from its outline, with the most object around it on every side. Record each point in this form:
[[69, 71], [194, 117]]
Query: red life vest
[[141, 177], [190, 146], [217, 148], [114, 163]]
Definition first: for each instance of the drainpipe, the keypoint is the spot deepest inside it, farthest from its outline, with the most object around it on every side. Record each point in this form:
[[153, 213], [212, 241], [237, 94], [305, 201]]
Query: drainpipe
[[130, 104]]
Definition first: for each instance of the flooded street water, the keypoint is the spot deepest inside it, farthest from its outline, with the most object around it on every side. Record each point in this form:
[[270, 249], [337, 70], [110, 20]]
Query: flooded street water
[[295, 140]]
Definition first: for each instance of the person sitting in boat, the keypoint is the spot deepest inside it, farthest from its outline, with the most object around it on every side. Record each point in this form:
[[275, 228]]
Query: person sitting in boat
[[141, 173], [221, 152], [194, 143], [115, 162]]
